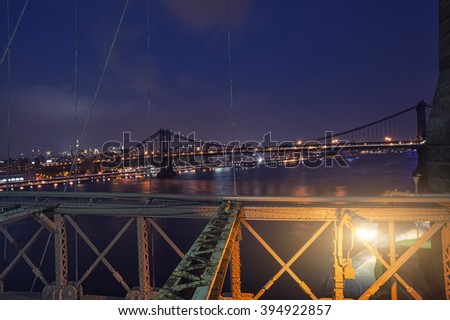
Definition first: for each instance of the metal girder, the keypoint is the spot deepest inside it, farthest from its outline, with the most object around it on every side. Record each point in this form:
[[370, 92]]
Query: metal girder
[[378, 256], [22, 253], [46, 222], [331, 200], [143, 257], [401, 261], [206, 263], [302, 212], [60, 289], [407, 208], [201, 273], [446, 258], [392, 257], [235, 265], [144, 291], [405, 212], [101, 256], [21, 213], [61, 267], [165, 237], [286, 266], [59, 292], [339, 262], [291, 213], [136, 210], [236, 292]]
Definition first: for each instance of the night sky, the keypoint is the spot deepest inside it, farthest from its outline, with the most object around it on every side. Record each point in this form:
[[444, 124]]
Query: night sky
[[299, 67]]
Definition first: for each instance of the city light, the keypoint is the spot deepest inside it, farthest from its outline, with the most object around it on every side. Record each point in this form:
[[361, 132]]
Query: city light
[[388, 139]]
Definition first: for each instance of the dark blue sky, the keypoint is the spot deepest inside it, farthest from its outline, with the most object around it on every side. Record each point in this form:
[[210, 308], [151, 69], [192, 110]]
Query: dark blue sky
[[300, 67]]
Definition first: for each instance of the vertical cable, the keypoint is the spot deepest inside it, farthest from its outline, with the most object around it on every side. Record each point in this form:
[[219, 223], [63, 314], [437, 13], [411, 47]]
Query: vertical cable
[[149, 153], [230, 73], [379, 132], [391, 133], [75, 120], [8, 123], [395, 128], [149, 83], [8, 116], [405, 129], [5, 247], [75, 129], [401, 127]]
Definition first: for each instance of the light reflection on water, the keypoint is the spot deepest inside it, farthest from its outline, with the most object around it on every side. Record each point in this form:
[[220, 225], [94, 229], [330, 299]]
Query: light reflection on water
[[369, 175]]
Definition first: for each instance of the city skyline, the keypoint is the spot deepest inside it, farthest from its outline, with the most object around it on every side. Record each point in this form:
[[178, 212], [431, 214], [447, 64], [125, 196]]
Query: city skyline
[[298, 69]]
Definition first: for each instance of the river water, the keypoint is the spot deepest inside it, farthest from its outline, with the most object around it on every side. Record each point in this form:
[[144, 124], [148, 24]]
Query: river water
[[374, 174]]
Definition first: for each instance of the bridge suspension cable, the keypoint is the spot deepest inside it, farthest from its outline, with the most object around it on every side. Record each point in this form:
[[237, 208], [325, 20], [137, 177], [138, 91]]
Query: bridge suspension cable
[[105, 67], [230, 73], [384, 128], [8, 116], [97, 90], [149, 86], [11, 36], [76, 129], [75, 120]]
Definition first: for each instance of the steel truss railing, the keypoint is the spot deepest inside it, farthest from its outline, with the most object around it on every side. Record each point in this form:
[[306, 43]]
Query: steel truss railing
[[201, 273], [202, 270]]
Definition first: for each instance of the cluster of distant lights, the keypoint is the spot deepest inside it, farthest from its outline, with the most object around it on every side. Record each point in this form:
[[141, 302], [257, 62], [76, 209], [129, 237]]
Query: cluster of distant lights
[[125, 174], [13, 180], [191, 170]]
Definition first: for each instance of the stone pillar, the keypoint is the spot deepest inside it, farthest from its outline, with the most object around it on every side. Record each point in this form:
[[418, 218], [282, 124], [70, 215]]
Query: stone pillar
[[438, 131]]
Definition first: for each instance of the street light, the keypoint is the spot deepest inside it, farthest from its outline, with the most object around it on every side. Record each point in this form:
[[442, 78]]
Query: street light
[[365, 233], [364, 228], [416, 180]]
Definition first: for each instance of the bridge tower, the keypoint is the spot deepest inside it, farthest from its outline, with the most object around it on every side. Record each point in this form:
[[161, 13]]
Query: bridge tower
[[438, 132], [165, 149]]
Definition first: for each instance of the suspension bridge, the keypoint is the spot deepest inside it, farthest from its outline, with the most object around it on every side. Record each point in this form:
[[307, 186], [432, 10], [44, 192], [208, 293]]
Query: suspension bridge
[[169, 148]]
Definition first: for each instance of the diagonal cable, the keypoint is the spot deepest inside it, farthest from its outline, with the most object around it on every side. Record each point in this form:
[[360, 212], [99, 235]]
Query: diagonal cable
[[97, 90], [11, 38]]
